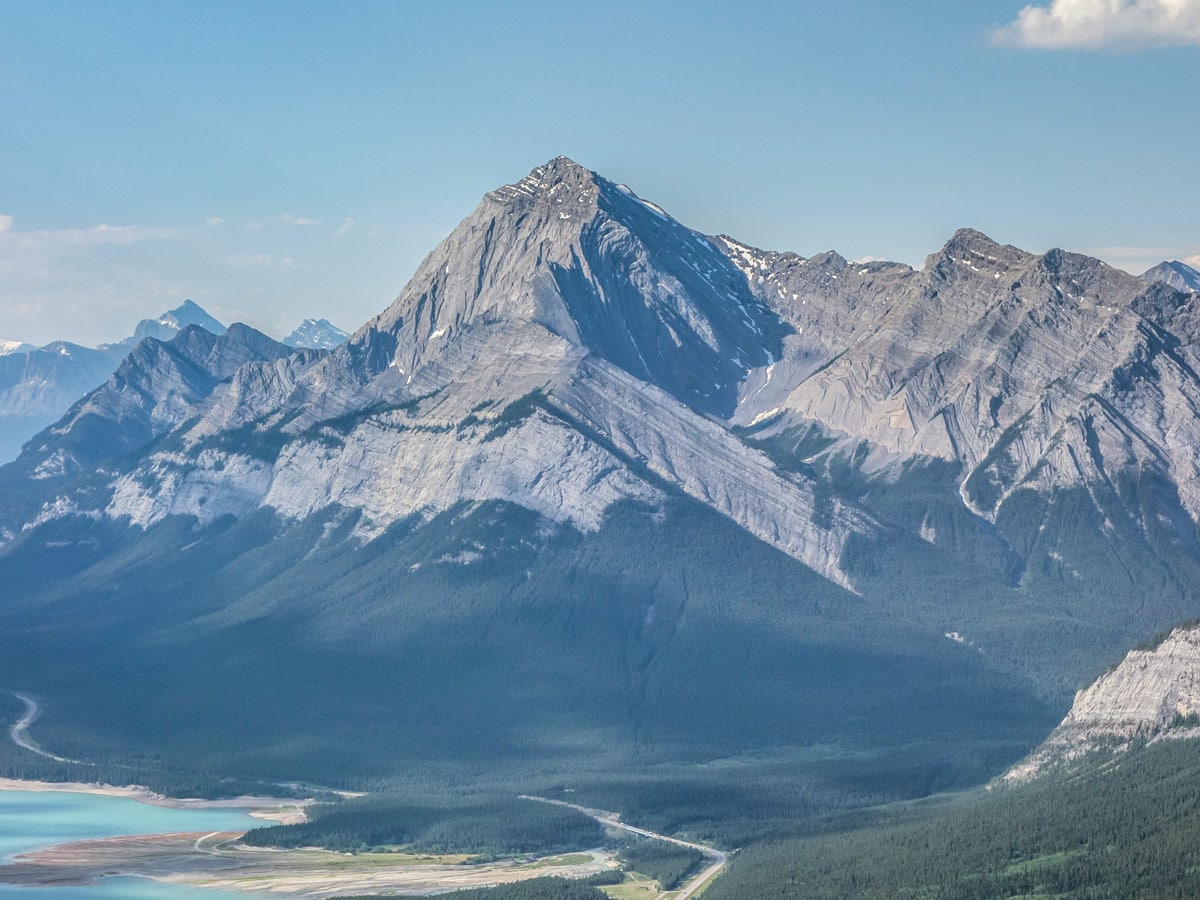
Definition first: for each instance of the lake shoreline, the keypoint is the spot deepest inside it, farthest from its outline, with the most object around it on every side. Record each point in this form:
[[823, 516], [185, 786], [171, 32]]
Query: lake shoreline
[[281, 810]]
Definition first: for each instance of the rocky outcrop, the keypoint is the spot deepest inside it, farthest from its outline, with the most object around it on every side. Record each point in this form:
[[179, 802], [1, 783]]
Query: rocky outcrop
[[154, 389], [1153, 693]]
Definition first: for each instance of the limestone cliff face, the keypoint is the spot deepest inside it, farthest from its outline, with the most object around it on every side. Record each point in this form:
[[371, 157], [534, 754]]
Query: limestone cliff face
[[1152, 694]]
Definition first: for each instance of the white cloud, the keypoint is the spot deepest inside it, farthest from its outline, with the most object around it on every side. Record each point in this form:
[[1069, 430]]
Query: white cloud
[[262, 261], [282, 219], [1136, 259], [74, 283], [28, 254], [55, 241], [289, 219], [1095, 24], [214, 221], [1193, 261], [1160, 252], [346, 225]]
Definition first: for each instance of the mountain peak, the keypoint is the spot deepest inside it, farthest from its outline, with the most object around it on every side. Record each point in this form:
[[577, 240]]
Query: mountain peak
[[1174, 273], [560, 175], [973, 248], [316, 334], [589, 265], [966, 239], [170, 323]]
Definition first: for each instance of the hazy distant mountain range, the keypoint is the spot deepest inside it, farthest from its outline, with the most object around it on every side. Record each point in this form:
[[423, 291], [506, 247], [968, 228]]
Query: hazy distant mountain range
[[39, 384], [597, 485]]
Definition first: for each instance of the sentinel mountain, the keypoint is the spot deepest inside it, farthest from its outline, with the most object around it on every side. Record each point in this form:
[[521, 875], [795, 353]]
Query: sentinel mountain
[[595, 480]]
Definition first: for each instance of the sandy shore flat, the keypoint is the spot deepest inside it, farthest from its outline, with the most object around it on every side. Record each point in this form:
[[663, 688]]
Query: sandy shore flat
[[216, 860]]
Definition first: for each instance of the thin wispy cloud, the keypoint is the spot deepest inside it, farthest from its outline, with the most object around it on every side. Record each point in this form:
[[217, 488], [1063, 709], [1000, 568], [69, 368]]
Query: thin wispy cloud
[[1103, 24], [68, 282], [34, 252], [1137, 259], [65, 239], [1159, 252], [263, 261], [214, 221], [345, 227], [286, 219]]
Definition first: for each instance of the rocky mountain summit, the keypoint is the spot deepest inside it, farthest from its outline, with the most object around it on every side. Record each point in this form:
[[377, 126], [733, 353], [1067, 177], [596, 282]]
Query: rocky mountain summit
[[1152, 694], [1016, 368]]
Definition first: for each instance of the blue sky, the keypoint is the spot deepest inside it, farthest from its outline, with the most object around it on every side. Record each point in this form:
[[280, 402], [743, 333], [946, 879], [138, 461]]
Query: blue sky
[[275, 161]]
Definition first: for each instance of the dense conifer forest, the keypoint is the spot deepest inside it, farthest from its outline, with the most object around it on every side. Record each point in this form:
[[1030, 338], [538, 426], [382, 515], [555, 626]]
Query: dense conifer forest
[[1115, 828], [534, 889], [496, 827]]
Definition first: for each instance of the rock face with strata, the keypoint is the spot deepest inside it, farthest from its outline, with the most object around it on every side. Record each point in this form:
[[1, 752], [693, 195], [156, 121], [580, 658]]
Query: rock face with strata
[[1152, 693]]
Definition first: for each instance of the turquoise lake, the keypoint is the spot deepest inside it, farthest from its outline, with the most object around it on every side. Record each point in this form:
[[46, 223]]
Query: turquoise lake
[[31, 819]]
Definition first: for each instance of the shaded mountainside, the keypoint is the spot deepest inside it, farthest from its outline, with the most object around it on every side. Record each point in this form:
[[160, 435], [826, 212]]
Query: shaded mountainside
[[597, 487]]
